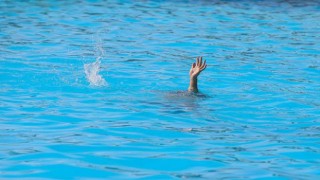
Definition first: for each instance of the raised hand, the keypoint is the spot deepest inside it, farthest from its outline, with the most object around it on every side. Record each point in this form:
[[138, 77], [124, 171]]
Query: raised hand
[[197, 67], [195, 70]]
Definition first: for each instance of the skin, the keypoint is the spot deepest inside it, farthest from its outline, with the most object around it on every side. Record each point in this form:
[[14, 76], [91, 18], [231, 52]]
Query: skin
[[195, 71]]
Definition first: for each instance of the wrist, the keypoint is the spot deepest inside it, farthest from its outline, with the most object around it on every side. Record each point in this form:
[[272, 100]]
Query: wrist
[[193, 77]]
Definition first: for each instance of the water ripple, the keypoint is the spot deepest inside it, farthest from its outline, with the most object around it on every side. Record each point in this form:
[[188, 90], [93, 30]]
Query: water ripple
[[257, 117]]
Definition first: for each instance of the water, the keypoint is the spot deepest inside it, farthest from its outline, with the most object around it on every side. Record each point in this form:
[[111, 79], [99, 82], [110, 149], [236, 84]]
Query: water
[[94, 89], [92, 71]]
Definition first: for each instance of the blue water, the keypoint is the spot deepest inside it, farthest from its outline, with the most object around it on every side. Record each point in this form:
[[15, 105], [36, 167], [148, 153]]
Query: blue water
[[92, 90]]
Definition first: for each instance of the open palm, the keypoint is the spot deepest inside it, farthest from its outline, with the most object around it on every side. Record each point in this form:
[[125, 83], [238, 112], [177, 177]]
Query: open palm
[[197, 67]]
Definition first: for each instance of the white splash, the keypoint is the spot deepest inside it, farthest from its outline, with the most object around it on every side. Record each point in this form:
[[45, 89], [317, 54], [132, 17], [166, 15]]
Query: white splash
[[92, 73]]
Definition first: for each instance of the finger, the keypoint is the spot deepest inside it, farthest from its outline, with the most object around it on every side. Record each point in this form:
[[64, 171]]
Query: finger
[[193, 65], [204, 63], [200, 63], [204, 68], [197, 61]]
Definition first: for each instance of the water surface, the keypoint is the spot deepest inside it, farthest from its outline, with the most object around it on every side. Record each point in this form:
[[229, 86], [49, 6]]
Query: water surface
[[91, 89]]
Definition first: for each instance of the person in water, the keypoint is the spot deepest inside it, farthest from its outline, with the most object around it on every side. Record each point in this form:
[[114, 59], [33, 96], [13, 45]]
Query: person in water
[[195, 71]]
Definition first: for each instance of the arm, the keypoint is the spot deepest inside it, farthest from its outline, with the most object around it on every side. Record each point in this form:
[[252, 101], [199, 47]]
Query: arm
[[195, 70]]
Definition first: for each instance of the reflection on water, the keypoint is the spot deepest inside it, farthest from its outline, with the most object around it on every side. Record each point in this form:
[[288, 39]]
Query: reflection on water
[[184, 100], [174, 102], [258, 116]]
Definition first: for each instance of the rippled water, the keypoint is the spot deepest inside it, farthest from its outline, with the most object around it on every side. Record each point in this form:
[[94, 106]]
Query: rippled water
[[91, 89]]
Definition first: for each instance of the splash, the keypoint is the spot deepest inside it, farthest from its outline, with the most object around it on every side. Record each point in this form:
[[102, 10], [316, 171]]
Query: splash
[[92, 70]]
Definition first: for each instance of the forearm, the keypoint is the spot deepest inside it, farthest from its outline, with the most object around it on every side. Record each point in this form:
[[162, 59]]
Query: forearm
[[193, 86]]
